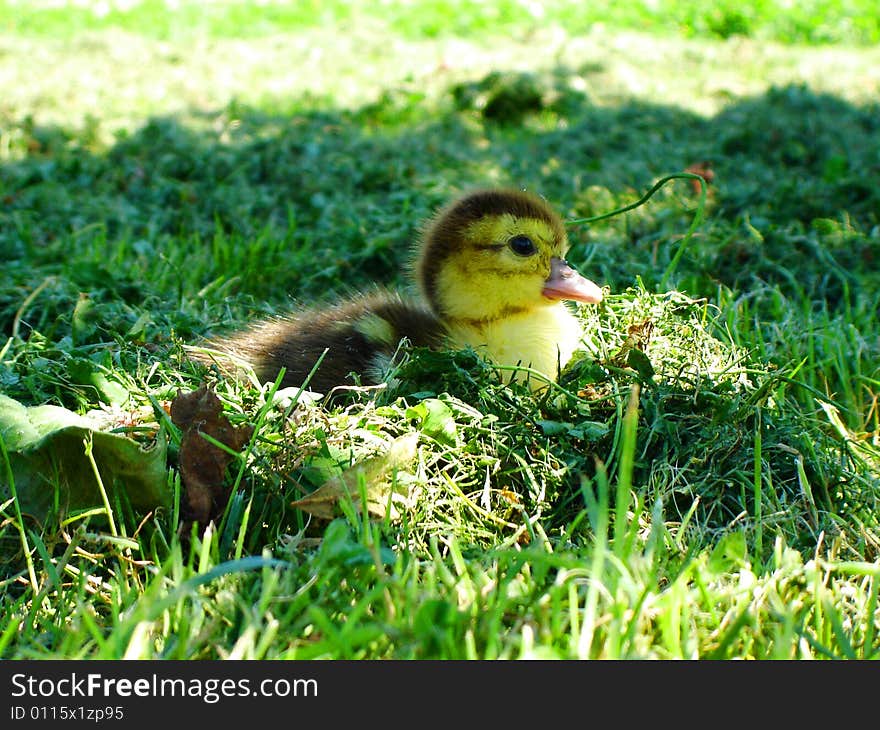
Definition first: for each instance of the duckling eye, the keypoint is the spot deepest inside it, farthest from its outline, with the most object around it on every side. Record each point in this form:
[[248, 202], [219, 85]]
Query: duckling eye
[[522, 245]]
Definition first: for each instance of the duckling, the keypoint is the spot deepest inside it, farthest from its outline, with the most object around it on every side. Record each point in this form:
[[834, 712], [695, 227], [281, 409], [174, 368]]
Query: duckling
[[491, 270]]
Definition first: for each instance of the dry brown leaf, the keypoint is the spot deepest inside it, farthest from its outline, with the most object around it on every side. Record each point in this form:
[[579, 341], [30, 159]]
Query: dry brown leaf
[[704, 170], [638, 336], [202, 464], [379, 475]]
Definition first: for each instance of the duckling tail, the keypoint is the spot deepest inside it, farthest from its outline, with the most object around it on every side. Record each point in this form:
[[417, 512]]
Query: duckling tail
[[358, 335]]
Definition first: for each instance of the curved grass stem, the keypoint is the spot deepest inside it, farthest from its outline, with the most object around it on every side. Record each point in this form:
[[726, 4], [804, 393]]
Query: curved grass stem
[[698, 216]]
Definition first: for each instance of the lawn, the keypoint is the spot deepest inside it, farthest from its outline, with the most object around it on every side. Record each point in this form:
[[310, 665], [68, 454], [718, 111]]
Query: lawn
[[704, 480]]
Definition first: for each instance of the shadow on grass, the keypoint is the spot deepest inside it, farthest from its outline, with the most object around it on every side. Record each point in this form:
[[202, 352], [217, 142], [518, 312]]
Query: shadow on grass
[[344, 190]]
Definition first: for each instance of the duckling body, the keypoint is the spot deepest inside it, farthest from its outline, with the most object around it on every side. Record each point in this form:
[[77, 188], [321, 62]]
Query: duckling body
[[492, 275], [360, 336], [543, 340]]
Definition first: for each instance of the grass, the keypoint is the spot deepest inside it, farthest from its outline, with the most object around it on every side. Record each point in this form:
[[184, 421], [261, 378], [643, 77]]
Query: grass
[[704, 480], [811, 22]]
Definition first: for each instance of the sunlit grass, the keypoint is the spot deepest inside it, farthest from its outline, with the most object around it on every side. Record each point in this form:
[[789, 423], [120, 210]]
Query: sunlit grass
[[854, 21]]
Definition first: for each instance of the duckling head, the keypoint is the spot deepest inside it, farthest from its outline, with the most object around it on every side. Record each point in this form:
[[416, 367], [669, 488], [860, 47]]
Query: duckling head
[[492, 267]]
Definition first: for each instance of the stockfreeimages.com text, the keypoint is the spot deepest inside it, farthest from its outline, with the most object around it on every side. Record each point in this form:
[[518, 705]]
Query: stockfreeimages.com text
[[95, 684]]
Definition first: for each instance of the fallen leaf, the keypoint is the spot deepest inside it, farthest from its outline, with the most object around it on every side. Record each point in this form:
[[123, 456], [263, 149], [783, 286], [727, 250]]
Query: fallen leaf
[[641, 333], [379, 474], [203, 464], [45, 450], [511, 496], [632, 351]]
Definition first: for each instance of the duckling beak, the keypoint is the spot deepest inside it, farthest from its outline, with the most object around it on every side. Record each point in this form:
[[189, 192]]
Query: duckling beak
[[566, 283]]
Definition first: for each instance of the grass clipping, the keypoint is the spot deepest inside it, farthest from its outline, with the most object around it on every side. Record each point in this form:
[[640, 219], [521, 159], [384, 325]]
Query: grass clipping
[[719, 445]]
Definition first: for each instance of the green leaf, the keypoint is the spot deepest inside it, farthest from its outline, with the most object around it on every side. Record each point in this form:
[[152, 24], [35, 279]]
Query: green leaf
[[49, 466], [84, 372], [730, 553], [84, 321], [554, 428], [639, 362], [436, 420], [590, 430], [339, 547]]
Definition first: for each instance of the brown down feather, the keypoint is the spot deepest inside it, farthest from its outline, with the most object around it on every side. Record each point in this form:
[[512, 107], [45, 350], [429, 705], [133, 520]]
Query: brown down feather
[[298, 340]]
